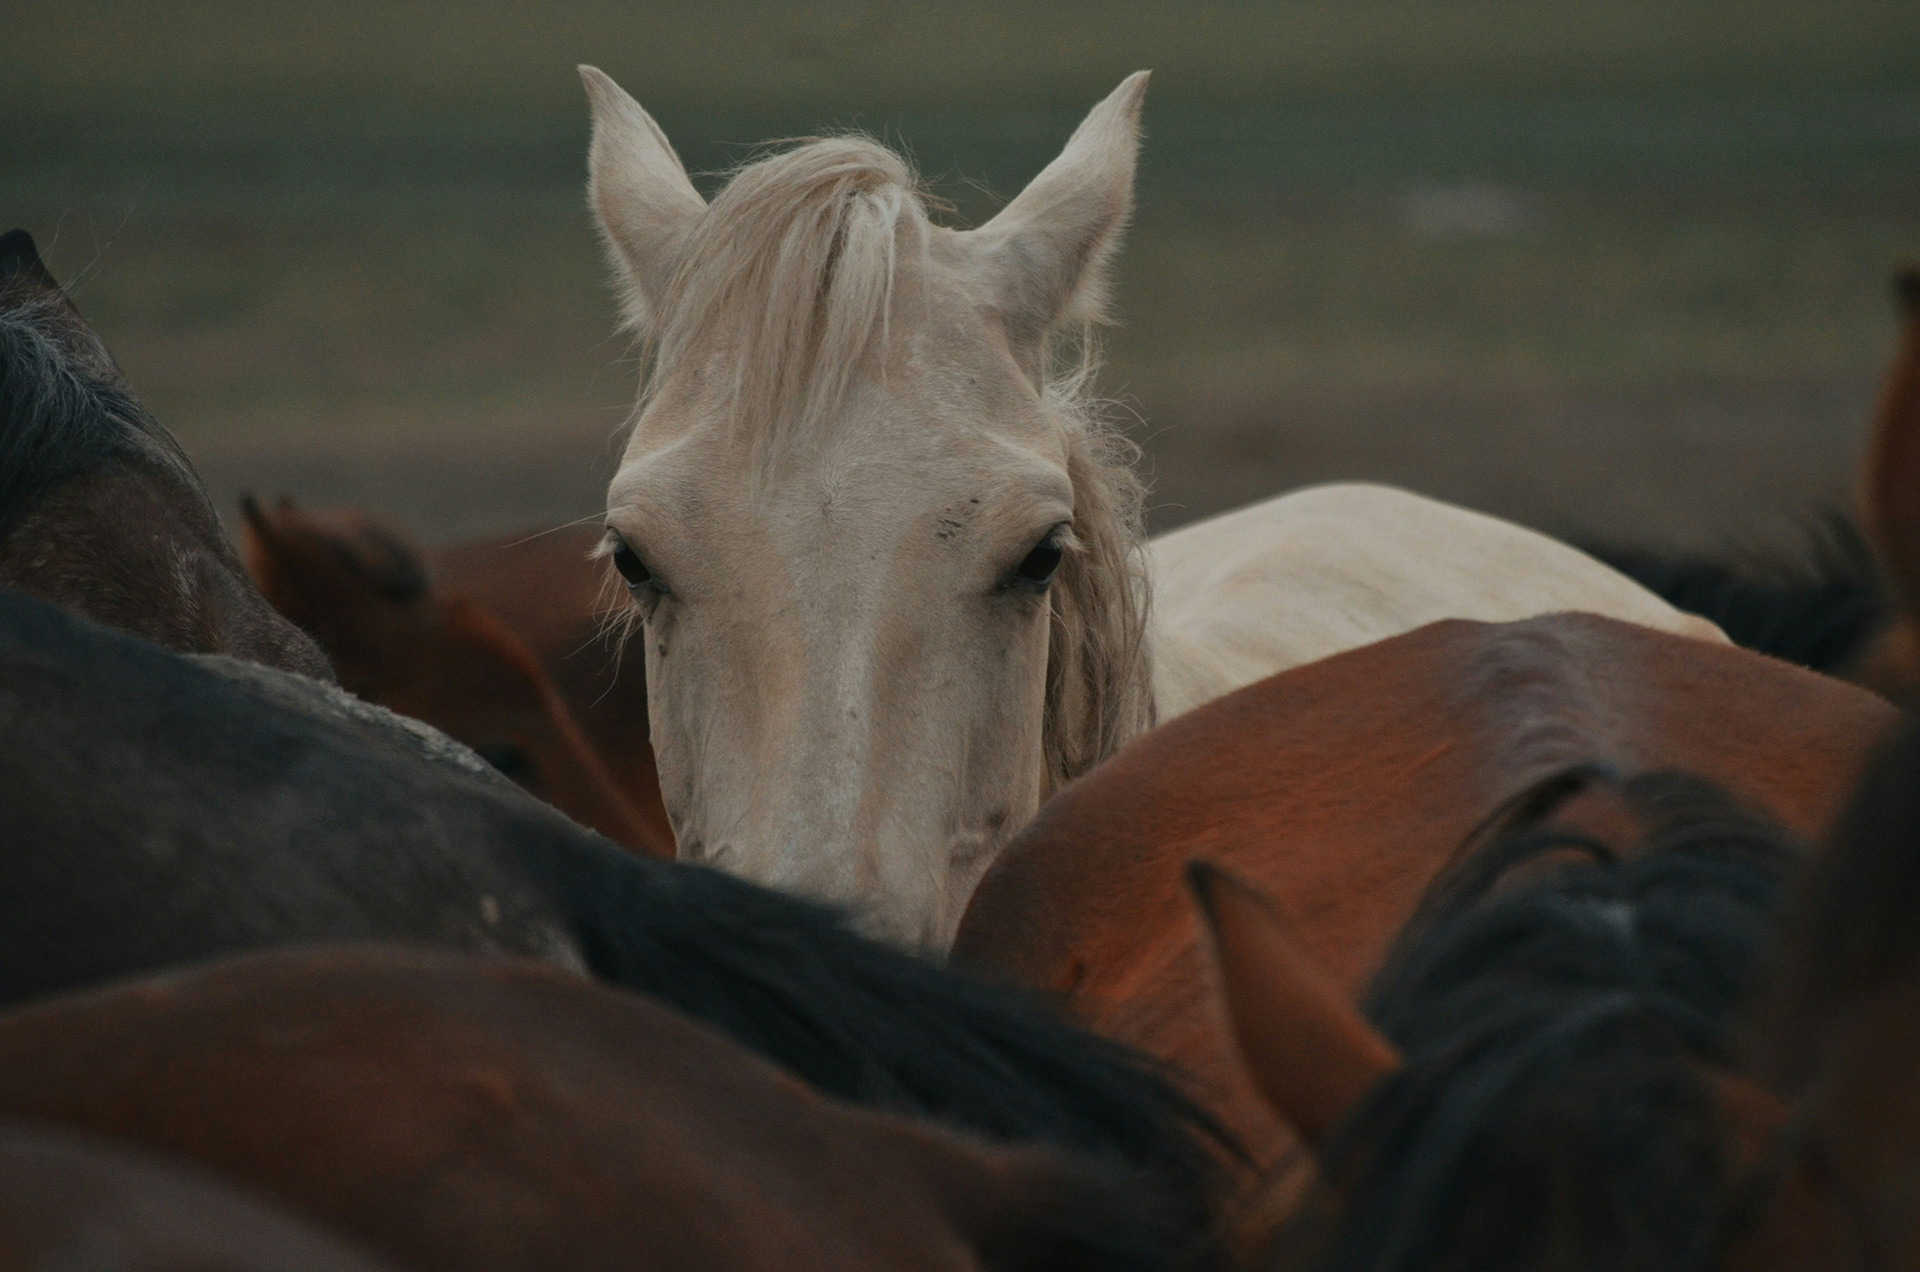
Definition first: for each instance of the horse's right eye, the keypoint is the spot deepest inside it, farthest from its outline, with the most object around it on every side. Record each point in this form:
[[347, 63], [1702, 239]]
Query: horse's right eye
[[631, 567]]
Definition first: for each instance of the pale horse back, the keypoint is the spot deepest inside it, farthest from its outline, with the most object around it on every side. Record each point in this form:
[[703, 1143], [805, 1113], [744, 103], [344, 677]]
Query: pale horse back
[[1294, 579]]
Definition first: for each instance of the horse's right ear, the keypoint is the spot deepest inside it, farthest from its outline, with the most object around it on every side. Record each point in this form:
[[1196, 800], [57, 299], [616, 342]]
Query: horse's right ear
[[1307, 1048], [21, 266], [1890, 485], [640, 195]]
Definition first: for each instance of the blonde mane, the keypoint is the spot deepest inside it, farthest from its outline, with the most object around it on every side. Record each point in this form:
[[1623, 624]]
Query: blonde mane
[[1099, 667], [791, 274]]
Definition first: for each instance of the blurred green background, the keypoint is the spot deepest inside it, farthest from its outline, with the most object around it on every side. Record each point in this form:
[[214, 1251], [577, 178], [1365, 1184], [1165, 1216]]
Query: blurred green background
[[1609, 266]]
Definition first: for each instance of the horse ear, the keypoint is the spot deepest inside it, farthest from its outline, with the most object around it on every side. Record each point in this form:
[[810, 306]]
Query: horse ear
[[289, 552], [25, 278], [1046, 253], [1890, 486], [640, 194], [1312, 1055], [21, 266]]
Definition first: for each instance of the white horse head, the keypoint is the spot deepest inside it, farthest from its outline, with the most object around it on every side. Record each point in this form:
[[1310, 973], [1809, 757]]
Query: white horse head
[[885, 555]]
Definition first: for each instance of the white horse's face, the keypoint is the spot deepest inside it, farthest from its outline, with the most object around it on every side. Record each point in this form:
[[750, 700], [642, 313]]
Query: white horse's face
[[846, 656], [846, 616]]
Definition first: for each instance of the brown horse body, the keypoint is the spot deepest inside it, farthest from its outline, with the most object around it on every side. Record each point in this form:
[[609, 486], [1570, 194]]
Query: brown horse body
[[68, 1202], [480, 1115], [495, 642], [1618, 1050], [1344, 787]]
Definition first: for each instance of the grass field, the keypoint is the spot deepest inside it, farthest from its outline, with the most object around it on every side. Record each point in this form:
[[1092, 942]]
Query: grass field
[[1609, 267]]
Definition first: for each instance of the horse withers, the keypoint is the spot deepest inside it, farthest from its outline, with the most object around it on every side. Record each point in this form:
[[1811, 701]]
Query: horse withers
[[101, 512], [887, 552]]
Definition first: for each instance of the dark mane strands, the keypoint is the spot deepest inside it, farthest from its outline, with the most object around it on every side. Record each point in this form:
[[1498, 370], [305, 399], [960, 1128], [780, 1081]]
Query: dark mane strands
[[1817, 613], [1552, 1110], [793, 981]]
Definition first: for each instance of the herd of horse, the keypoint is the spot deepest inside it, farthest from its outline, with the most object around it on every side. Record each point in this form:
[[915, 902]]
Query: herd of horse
[[867, 850]]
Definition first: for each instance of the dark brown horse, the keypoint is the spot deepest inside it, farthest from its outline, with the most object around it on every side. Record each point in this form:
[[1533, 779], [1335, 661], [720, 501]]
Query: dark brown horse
[[69, 1202], [1344, 787], [496, 642], [100, 510], [488, 1115]]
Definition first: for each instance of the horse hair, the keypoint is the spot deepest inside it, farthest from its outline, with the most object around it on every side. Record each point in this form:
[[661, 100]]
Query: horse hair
[[793, 980], [167, 812], [1552, 1110], [60, 416], [793, 271], [1817, 614], [1850, 930]]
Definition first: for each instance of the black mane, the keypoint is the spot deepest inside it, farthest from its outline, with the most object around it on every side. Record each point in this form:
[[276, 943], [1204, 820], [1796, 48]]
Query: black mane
[[61, 410], [1817, 614], [1551, 1110]]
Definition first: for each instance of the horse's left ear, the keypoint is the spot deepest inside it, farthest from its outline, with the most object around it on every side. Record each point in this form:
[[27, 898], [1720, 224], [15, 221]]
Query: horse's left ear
[[1046, 254], [1306, 1047]]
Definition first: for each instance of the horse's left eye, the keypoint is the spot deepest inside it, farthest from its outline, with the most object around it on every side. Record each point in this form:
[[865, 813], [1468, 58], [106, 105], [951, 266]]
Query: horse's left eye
[[1036, 569], [631, 567]]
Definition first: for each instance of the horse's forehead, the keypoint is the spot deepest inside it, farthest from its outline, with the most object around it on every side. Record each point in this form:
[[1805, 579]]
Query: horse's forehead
[[883, 435], [840, 480]]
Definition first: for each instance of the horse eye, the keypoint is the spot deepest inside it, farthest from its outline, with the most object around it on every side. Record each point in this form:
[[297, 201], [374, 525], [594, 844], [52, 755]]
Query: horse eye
[[1038, 567], [631, 567]]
